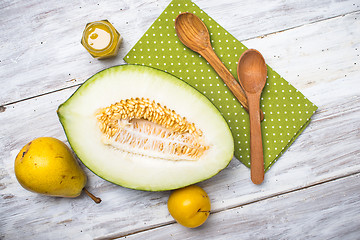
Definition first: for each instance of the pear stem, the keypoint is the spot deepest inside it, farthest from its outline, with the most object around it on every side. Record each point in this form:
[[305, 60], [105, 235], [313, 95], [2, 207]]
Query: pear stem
[[203, 211], [95, 199]]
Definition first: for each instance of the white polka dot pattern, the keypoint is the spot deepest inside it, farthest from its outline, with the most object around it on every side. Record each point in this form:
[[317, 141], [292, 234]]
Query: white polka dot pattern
[[287, 111]]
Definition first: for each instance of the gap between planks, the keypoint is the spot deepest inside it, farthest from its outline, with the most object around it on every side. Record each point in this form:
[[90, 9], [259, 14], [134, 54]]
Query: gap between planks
[[39, 95], [246, 39], [141, 230], [301, 25]]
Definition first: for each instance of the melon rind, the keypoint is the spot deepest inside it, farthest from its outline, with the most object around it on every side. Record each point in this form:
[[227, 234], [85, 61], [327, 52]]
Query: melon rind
[[137, 171]]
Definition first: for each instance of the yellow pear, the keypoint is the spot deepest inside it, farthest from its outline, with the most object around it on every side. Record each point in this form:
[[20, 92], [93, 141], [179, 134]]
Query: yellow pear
[[190, 206], [47, 166]]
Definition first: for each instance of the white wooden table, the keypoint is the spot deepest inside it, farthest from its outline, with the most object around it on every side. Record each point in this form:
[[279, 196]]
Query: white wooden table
[[312, 192]]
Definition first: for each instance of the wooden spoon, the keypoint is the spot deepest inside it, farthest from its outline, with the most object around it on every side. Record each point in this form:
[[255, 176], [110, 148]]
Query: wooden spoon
[[252, 73], [193, 33]]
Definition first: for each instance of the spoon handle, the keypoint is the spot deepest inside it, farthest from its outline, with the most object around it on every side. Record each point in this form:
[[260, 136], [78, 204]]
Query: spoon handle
[[234, 86], [256, 147]]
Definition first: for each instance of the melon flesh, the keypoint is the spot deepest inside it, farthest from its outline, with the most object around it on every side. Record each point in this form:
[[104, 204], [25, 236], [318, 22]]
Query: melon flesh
[[141, 167]]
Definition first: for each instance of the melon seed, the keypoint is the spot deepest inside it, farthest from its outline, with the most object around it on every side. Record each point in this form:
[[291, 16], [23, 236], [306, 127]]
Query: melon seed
[[141, 126]]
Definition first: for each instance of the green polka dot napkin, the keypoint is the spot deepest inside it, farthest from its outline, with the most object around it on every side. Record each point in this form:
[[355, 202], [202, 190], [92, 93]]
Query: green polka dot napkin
[[287, 112]]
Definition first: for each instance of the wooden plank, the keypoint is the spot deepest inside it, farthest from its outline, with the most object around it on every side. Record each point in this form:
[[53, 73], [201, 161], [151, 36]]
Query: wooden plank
[[41, 40], [326, 211], [307, 58]]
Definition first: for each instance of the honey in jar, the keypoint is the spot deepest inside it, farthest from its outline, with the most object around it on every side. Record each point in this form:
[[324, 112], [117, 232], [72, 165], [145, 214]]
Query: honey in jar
[[101, 39]]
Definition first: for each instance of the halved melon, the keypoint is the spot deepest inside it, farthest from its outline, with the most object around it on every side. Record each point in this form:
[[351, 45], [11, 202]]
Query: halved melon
[[145, 129]]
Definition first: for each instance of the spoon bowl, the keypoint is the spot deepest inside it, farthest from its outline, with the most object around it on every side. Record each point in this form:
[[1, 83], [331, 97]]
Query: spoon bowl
[[252, 73], [192, 32]]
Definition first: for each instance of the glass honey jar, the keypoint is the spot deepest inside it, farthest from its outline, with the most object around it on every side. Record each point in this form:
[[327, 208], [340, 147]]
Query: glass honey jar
[[101, 39]]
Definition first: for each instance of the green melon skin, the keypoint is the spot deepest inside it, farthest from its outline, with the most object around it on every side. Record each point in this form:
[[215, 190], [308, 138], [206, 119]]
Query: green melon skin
[[135, 171]]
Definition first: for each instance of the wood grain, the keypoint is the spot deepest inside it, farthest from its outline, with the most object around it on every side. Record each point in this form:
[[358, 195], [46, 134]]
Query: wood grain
[[35, 42], [332, 211], [311, 192], [256, 145]]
